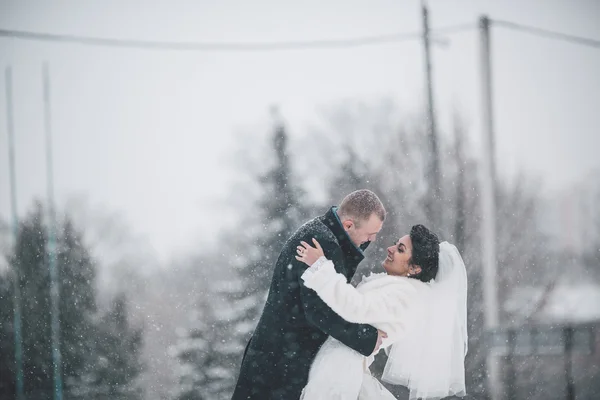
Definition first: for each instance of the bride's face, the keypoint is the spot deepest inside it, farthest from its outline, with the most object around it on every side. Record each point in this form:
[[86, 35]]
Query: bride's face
[[398, 257]]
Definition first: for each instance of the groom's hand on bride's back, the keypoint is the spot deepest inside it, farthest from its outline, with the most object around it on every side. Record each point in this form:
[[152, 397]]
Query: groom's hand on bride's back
[[380, 336]]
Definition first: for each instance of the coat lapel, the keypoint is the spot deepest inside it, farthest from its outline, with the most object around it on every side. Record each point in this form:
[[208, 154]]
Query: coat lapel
[[352, 254]]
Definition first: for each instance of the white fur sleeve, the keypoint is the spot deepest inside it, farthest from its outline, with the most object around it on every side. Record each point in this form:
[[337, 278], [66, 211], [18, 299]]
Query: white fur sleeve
[[387, 303]]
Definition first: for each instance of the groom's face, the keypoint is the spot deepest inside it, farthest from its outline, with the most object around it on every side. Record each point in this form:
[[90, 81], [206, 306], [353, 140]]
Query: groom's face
[[363, 231]]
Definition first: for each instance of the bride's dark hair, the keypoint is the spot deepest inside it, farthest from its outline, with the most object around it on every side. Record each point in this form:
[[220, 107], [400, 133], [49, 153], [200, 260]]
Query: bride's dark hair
[[425, 252]]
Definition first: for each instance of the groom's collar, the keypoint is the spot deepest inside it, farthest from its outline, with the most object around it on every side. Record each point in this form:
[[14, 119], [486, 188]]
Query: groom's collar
[[333, 222]]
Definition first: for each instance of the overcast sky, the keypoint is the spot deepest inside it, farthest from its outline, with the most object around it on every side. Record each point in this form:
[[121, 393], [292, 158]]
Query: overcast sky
[[145, 132]]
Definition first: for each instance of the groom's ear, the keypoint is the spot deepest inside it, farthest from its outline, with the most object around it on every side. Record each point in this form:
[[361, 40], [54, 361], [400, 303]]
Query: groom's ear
[[347, 224]]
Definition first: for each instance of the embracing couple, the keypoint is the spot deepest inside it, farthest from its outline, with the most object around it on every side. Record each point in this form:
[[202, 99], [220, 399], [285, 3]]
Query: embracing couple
[[318, 334]]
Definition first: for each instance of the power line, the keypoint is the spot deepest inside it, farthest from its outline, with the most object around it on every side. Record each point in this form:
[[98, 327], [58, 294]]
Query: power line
[[213, 46], [274, 46], [549, 34]]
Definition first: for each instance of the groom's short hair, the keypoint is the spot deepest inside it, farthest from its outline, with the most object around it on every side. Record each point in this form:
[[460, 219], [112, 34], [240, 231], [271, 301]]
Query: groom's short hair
[[360, 205]]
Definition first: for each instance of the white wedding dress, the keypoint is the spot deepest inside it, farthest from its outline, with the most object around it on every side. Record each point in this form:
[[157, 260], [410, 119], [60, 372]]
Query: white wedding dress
[[386, 302], [426, 324]]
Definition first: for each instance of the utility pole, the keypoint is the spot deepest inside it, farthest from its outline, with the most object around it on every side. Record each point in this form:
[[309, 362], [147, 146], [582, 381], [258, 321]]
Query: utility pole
[[15, 230], [488, 206], [433, 170], [52, 257], [460, 220]]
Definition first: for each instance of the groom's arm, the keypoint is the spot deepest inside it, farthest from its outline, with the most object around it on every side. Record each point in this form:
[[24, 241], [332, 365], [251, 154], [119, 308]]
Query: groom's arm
[[360, 337]]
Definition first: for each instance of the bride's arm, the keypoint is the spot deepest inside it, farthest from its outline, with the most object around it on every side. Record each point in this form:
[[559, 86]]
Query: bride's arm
[[381, 305], [385, 304]]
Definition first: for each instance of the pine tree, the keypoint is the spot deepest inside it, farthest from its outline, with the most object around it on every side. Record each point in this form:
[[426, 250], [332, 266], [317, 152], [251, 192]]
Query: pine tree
[[194, 353], [77, 309], [7, 339], [116, 348], [80, 331], [281, 211], [30, 259], [210, 349], [206, 372], [352, 174]]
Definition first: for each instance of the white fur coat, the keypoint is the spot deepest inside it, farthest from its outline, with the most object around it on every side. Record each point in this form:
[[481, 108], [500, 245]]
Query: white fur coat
[[389, 303]]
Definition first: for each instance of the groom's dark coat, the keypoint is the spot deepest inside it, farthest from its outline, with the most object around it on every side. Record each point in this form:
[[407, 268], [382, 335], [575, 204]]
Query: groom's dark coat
[[296, 322]]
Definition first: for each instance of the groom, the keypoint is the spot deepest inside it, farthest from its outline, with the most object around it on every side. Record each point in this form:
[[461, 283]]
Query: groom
[[295, 321]]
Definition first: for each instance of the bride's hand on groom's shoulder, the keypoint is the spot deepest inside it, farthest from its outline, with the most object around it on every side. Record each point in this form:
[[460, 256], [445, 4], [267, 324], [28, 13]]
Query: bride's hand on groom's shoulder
[[308, 254]]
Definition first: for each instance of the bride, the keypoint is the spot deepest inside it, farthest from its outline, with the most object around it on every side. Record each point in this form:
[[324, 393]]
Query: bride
[[420, 302]]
